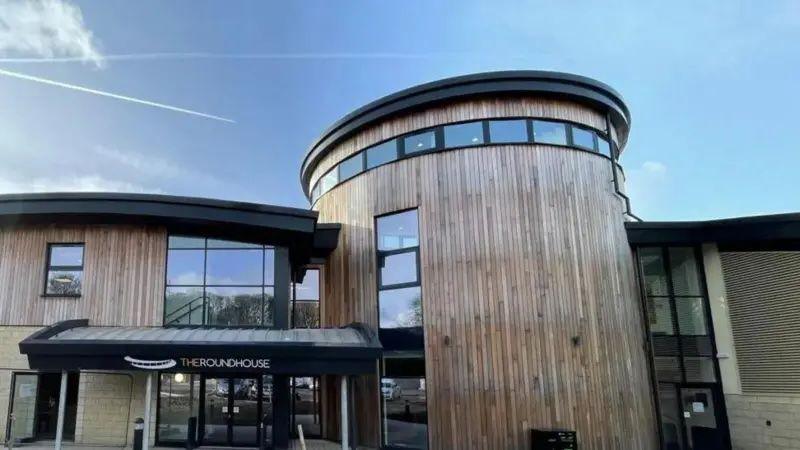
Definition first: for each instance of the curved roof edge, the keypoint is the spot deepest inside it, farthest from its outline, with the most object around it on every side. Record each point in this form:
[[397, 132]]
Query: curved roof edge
[[551, 84]]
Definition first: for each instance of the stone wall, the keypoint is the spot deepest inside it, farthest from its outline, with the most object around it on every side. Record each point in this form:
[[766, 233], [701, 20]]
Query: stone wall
[[760, 422]]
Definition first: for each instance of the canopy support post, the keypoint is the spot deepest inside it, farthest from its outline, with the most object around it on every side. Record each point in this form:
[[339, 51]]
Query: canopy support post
[[344, 425], [62, 405], [148, 394]]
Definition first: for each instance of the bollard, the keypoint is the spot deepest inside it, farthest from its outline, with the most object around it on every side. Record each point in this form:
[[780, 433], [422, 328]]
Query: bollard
[[191, 434], [138, 433]]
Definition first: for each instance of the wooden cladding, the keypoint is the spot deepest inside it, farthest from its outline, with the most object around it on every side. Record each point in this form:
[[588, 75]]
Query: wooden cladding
[[763, 291], [460, 111], [123, 275], [531, 311]]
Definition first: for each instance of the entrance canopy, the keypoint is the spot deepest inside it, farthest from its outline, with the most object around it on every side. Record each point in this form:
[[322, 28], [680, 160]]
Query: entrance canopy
[[74, 345]]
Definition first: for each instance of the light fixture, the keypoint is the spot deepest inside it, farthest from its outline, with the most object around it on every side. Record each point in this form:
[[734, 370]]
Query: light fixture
[[179, 378]]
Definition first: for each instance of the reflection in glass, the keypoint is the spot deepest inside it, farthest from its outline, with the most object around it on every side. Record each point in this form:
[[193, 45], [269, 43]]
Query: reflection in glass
[[381, 154], [655, 277], [185, 267], [234, 267], [66, 255], [398, 231], [463, 134], [219, 243], [668, 368], [183, 305], [351, 167], [545, 132], [306, 314], [186, 242], [660, 316], [603, 147], [64, 282], [178, 400], [691, 316], [244, 420], [670, 417], [502, 131], [24, 405], [329, 180], [405, 412], [419, 142], [685, 274], [269, 266], [234, 306], [269, 307], [306, 405], [400, 308], [582, 137], [309, 288], [398, 268], [699, 369], [215, 431]]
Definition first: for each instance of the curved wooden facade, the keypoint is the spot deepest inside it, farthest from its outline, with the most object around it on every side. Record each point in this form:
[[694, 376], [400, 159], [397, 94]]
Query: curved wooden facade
[[531, 310]]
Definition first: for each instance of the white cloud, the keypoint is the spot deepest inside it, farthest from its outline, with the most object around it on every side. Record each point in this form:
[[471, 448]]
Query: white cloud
[[647, 186], [46, 28], [84, 183], [654, 168]]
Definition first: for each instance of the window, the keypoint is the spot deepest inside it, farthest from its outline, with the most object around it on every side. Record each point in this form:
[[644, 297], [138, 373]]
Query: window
[[547, 132], [306, 406], [328, 181], [305, 306], [218, 282], [351, 167], [508, 131], [404, 401], [316, 192], [64, 270], [582, 137], [381, 154], [463, 134], [399, 293], [420, 142], [603, 146]]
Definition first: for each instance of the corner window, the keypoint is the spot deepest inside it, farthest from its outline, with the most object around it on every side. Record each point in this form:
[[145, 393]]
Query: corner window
[[582, 138], [305, 306], [546, 132], [463, 134], [381, 154], [508, 131], [64, 270]]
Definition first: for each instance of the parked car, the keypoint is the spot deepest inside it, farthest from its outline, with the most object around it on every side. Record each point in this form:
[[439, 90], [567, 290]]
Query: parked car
[[390, 390]]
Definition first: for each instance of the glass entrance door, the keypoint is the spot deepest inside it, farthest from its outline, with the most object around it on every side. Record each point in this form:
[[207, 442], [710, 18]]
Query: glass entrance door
[[231, 411], [701, 418]]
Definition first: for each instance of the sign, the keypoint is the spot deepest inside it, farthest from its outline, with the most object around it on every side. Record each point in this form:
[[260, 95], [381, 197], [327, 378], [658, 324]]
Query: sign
[[198, 363], [698, 407]]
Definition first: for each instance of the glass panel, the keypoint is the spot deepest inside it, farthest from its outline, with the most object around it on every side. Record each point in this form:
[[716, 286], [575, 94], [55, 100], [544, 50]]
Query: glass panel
[[306, 314], [269, 307], [655, 277], [306, 405], [381, 154], [24, 406], [699, 369], [398, 268], [185, 267], [667, 368], [329, 180], [398, 231], [183, 306], [545, 132], [269, 266], [245, 411], [420, 142], [186, 242], [405, 413], [66, 255], [463, 134], [400, 308], [603, 146], [660, 316], [266, 408], [309, 288], [178, 400], [582, 138], [351, 167], [691, 316], [315, 193], [234, 267], [216, 412], [64, 282], [218, 243], [508, 131], [685, 273], [700, 419], [234, 306], [670, 417]]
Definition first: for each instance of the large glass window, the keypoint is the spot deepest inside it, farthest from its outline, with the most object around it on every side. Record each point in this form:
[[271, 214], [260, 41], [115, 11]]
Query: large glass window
[[547, 132], [381, 154], [64, 270], [351, 167], [179, 399], [306, 406], [420, 142], [218, 282], [463, 134], [581, 137], [404, 408], [305, 306], [508, 131], [399, 294]]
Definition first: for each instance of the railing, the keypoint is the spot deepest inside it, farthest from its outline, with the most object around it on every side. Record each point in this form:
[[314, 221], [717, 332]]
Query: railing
[[174, 319]]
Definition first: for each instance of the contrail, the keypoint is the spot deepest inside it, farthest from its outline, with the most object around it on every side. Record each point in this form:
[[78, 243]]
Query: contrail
[[22, 76], [205, 55]]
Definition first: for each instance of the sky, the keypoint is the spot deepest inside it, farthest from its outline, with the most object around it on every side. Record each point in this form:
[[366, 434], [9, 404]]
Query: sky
[[221, 99]]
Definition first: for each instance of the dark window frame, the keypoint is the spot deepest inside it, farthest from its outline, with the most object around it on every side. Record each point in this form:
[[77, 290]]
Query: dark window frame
[[48, 268]]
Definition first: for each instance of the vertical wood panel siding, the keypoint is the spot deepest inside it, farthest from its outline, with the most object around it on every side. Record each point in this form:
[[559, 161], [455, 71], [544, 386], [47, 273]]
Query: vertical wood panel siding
[[123, 275], [522, 249]]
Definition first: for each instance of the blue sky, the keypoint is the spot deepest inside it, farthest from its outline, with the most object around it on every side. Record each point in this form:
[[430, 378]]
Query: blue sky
[[712, 87]]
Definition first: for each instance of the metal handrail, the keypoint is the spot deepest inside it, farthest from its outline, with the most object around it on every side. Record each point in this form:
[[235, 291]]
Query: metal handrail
[[188, 304]]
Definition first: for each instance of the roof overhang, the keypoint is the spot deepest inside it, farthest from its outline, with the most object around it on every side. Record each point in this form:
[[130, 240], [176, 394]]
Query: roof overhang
[[577, 88], [74, 345]]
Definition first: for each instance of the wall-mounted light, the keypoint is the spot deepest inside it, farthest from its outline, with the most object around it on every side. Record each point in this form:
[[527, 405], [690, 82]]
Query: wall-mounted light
[[179, 377]]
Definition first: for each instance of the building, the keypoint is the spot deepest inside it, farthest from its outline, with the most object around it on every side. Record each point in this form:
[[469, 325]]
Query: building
[[469, 270]]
